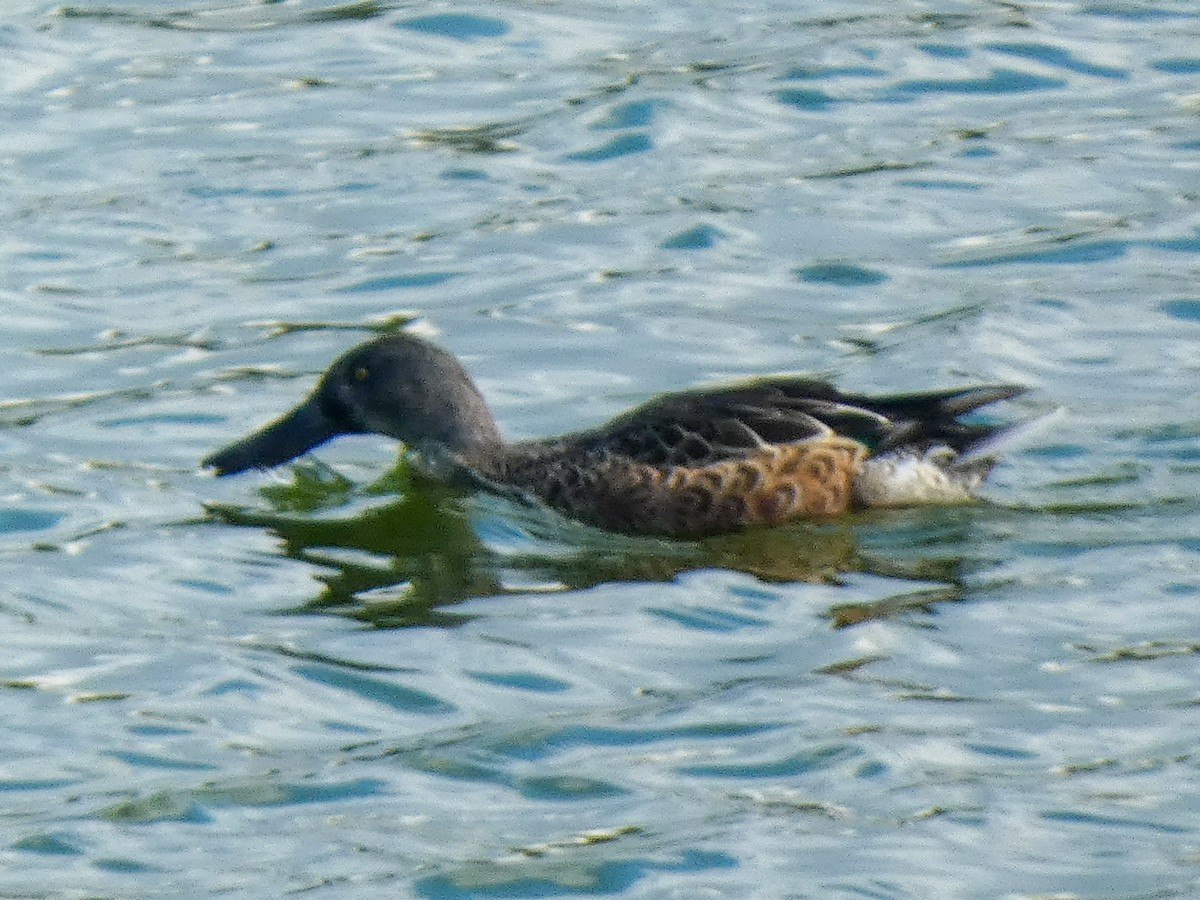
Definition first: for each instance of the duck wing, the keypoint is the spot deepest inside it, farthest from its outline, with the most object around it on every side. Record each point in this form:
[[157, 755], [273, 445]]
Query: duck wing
[[700, 428]]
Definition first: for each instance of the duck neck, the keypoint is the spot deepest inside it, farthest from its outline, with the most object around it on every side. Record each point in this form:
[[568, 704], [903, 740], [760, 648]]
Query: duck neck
[[450, 417], [472, 438], [460, 453]]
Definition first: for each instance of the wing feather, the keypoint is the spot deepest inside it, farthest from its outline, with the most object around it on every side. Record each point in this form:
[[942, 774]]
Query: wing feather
[[705, 427]]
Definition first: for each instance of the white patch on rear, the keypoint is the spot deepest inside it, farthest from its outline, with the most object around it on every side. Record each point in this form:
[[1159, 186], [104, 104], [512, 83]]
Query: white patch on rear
[[905, 478]]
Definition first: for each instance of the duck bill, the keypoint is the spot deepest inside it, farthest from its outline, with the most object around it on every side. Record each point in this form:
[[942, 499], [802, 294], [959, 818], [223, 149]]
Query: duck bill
[[287, 437]]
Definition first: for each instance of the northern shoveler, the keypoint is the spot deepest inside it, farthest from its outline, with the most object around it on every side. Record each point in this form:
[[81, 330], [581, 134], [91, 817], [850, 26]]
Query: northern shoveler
[[684, 465]]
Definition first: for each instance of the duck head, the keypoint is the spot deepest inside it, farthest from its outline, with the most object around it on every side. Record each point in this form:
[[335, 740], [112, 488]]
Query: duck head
[[398, 385]]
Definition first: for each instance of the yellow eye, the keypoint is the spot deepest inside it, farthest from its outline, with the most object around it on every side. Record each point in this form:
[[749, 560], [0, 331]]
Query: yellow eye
[[362, 373]]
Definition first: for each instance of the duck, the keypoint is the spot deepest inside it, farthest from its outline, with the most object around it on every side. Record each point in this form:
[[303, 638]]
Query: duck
[[687, 465]]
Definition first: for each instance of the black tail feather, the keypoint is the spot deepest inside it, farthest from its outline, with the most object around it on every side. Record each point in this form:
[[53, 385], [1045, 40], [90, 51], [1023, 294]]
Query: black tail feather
[[922, 420]]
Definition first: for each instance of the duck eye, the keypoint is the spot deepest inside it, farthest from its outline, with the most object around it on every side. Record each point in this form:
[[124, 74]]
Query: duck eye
[[362, 373]]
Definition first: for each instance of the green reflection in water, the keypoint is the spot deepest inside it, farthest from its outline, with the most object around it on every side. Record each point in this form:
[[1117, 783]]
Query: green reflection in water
[[397, 552]]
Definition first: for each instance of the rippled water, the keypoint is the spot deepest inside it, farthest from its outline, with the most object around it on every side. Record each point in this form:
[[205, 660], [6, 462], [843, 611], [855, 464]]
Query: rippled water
[[335, 682]]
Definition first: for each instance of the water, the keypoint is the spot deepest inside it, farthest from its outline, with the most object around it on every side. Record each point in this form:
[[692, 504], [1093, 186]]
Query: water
[[331, 681]]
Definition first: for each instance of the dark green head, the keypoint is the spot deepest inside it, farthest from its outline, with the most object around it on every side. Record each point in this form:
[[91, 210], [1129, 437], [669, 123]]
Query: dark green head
[[399, 386]]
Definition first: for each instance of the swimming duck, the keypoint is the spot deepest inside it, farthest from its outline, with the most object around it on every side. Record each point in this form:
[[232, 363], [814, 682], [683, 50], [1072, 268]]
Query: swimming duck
[[687, 464]]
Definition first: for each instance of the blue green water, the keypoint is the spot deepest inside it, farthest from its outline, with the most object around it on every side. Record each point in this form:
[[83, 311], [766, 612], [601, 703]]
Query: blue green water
[[330, 681]]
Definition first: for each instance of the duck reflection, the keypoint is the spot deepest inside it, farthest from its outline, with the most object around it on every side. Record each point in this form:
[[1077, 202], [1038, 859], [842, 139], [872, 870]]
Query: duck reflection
[[401, 551]]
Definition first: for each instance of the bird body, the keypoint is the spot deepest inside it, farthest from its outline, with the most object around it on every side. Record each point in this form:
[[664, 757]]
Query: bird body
[[686, 464]]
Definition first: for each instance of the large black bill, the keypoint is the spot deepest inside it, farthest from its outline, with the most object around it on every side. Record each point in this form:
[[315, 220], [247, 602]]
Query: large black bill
[[286, 438]]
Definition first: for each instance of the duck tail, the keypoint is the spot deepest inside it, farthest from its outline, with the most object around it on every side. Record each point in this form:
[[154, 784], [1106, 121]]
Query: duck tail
[[1007, 438], [922, 421], [929, 455]]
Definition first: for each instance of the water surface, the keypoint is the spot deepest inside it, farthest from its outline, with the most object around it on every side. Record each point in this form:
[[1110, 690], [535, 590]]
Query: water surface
[[333, 680]]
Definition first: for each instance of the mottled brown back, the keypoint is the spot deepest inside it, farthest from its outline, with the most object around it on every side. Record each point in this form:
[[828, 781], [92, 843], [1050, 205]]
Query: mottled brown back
[[774, 484]]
